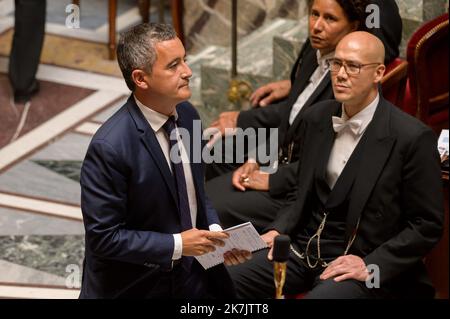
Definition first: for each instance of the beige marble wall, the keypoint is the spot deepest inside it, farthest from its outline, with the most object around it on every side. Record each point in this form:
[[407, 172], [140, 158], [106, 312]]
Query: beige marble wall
[[414, 13], [208, 22]]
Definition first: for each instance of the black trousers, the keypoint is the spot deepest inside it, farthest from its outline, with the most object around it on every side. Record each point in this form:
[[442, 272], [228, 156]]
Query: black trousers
[[29, 30], [254, 280], [235, 207]]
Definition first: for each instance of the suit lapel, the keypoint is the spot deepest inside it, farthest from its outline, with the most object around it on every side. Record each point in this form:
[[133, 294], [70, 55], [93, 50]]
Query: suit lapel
[[150, 142], [325, 144], [321, 144], [305, 69], [318, 91], [153, 147], [378, 148], [312, 99]]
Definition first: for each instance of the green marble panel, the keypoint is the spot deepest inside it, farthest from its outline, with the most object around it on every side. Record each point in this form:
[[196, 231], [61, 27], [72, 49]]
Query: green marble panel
[[51, 254], [69, 169]]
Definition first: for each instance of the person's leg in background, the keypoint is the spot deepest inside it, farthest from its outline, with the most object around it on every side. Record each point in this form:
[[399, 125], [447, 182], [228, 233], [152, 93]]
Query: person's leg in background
[[347, 289], [29, 31], [254, 278]]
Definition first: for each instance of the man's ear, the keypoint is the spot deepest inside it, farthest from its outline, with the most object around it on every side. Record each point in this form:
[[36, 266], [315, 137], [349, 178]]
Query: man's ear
[[140, 79], [379, 73]]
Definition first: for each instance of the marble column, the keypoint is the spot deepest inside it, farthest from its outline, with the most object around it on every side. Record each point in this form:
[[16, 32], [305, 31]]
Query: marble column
[[415, 12]]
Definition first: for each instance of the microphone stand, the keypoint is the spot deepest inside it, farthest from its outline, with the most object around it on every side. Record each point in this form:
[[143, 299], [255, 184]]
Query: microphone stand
[[279, 278], [281, 246]]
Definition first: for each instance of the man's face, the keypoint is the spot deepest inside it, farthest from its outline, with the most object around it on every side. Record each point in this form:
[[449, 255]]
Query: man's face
[[355, 89], [169, 80], [328, 24]]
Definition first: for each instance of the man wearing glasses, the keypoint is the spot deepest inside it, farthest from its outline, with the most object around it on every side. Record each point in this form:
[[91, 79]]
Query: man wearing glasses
[[369, 196]]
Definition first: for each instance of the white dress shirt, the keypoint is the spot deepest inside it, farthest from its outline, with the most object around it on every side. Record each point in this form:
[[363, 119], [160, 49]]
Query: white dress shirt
[[346, 141], [156, 121], [314, 81]]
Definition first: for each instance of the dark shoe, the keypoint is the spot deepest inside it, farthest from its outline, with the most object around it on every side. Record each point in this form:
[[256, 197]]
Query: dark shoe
[[21, 98]]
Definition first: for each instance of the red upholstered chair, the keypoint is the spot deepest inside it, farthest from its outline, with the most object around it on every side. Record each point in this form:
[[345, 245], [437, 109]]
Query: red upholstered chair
[[428, 83], [394, 82]]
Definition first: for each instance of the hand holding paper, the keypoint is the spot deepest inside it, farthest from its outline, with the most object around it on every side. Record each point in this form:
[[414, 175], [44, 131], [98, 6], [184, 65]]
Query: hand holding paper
[[243, 237]]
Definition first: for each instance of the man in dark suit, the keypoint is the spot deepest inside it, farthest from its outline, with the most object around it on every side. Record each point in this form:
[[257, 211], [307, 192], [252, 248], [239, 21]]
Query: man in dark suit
[[144, 209], [369, 196]]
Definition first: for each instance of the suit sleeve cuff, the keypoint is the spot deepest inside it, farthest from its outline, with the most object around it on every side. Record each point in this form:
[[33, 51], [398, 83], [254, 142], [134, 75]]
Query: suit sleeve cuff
[[178, 247], [215, 227]]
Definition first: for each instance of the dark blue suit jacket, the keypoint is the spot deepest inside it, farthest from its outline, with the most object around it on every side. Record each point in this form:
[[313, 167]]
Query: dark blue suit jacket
[[130, 208]]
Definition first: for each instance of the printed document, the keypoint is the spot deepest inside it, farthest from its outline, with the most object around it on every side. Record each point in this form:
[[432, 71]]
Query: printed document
[[242, 237]]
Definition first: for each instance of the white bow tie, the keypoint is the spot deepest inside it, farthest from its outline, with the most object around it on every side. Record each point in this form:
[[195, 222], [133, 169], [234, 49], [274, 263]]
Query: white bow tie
[[339, 124]]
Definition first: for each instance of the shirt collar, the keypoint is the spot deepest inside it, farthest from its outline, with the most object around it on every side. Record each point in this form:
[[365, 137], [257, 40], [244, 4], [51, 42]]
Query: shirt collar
[[365, 115], [322, 60], [155, 119]]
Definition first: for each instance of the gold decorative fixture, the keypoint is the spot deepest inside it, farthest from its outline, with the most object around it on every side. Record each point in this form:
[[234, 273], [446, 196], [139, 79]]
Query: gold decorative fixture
[[239, 91]]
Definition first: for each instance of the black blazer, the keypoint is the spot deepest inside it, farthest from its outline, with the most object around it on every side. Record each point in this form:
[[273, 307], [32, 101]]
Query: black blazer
[[130, 208], [397, 191]]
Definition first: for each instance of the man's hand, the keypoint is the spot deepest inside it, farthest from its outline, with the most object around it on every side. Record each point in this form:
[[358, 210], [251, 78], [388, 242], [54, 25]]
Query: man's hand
[[270, 92], [268, 238], [241, 176], [346, 267], [236, 257], [199, 242]]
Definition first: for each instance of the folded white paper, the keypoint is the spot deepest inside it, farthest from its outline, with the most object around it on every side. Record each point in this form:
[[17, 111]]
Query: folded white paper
[[242, 237]]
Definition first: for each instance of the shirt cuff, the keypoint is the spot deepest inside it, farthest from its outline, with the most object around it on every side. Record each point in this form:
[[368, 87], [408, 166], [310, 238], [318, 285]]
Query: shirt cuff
[[178, 247], [215, 227]]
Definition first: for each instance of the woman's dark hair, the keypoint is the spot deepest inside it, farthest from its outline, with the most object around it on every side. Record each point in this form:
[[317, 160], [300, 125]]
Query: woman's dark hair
[[355, 10]]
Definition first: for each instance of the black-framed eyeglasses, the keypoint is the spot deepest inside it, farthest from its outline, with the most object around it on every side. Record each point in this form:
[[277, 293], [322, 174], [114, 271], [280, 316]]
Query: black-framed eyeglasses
[[351, 68]]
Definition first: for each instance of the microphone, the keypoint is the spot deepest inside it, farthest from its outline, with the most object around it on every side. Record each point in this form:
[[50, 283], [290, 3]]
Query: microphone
[[280, 257]]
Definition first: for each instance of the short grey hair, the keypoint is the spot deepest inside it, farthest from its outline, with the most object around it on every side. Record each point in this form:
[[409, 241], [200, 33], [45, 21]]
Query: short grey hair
[[136, 48]]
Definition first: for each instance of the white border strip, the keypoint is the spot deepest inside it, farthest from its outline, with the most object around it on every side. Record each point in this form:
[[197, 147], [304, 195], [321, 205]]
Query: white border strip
[[88, 128], [76, 78], [55, 126], [101, 34], [40, 206], [123, 21], [80, 34], [24, 292]]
